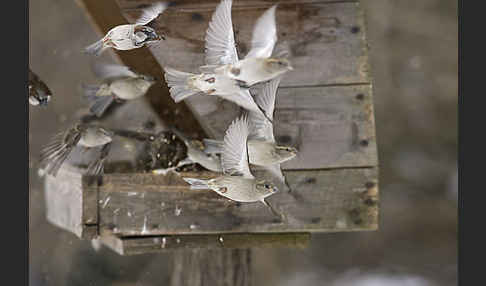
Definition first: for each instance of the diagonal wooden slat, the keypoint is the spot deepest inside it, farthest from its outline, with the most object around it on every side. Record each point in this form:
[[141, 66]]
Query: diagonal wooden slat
[[105, 15]]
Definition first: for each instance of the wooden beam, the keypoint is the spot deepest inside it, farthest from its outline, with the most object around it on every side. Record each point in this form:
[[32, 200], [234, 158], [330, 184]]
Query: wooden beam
[[105, 15], [132, 245], [322, 201], [145, 204]]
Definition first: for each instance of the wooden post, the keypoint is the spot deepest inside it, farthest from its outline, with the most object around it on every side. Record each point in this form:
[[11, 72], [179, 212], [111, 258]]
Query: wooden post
[[202, 267]]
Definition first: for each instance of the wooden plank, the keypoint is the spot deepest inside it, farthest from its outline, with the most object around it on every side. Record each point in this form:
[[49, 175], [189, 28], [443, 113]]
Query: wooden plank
[[332, 127], [163, 243], [321, 201], [69, 203], [331, 32], [105, 15]]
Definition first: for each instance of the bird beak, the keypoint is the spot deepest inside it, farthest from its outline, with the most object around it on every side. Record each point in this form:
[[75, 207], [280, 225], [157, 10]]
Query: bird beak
[[291, 68], [155, 37]]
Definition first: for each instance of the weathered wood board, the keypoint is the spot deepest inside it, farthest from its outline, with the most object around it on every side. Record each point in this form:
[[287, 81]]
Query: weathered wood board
[[148, 204], [70, 204], [332, 127], [333, 33], [162, 243], [324, 107]]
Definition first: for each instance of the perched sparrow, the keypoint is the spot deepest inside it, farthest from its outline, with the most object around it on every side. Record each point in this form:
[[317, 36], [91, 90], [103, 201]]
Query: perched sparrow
[[39, 93], [195, 154], [237, 182], [83, 135], [257, 66], [182, 85], [131, 36], [262, 149], [119, 83]]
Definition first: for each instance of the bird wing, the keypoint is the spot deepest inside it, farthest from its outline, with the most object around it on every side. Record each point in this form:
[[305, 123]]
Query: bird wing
[[262, 128], [56, 152], [242, 98], [220, 39], [234, 159], [264, 35], [276, 173], [106, 71], [151, 12]]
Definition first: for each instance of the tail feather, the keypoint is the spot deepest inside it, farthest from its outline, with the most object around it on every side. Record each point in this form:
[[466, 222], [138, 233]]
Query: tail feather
[[90, 90], [212, 146], [177, 82], [95, 49], [197, 184], [100, 101]]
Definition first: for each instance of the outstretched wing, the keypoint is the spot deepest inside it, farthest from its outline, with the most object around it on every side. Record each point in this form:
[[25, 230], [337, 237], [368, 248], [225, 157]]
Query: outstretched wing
[[262, 128], [234, 159], [151, 12], [264, 35], [242, 98], [220, 39], [106, 71], [57, 151]]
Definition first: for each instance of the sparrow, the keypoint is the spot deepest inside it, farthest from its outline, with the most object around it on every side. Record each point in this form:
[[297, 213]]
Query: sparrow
[[119, 83], [183, 85], [195, 154], [39, 93], [82, 135], [131, 36], [258, 65], [237, 182], [262, 148]]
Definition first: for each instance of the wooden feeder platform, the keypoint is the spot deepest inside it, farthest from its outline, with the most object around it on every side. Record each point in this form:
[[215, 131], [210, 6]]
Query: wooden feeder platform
[[324, 108]]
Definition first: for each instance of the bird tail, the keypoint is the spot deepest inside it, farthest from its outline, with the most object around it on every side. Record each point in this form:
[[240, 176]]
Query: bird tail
[[177, 82], [197, 184], [95, 49], [99, 102], [212, 146]]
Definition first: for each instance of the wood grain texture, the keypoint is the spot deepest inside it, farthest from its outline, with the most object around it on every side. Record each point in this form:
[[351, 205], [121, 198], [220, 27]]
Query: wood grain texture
[[332, 33], [222, 267], [106, 15], [163, 243], [332, 127], [321, 201], [68, 204]]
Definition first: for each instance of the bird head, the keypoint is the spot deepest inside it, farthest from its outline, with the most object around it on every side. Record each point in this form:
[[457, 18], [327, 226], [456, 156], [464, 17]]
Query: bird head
[[286, 152], [147, 34], [266, 188], [279, 65]]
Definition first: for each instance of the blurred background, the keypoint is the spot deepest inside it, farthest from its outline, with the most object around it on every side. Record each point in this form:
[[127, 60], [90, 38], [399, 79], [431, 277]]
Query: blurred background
[[414, 60]]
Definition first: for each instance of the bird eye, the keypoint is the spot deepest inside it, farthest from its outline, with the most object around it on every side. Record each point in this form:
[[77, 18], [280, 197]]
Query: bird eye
[[266, 186]]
